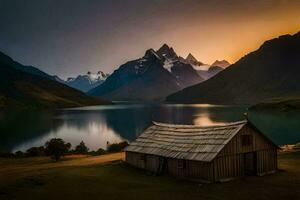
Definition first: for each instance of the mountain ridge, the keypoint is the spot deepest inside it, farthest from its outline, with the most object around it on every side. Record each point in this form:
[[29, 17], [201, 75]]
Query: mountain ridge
[[22, 89], [266, 74], [152, 77], [87, 81]]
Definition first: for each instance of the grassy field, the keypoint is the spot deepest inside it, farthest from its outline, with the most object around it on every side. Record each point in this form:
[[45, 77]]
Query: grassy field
[[104, 177]]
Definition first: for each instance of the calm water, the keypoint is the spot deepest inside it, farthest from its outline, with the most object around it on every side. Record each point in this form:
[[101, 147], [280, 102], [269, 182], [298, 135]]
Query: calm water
[[114, 123]]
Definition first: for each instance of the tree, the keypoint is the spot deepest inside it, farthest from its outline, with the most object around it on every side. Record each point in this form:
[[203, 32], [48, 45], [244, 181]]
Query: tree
[[81, 148], [116, 147], [56, 148]]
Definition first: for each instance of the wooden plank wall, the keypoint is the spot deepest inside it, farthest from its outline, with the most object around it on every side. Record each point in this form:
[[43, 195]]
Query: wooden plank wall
[[193, 169], [149, 162], [266, 161], [228, 166], [235, 145], [230, 161]]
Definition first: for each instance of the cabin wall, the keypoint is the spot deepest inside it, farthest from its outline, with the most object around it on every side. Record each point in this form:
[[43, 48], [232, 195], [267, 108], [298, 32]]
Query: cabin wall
[[229, 166], [266, 161], [192, 169], [143, 161], [230, 162], [235, 146]]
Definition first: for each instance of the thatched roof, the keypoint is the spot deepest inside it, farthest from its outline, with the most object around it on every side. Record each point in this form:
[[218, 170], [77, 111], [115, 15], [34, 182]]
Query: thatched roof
[[190, 142]]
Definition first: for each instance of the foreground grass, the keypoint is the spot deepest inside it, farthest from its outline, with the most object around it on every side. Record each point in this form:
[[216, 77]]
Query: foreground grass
[[116, 180]]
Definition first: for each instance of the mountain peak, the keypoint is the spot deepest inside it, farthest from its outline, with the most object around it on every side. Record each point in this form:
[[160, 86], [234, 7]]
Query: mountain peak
[[220, 63], [192, 60], [166, 52], [150, 53], [164, 46], [190, 57]]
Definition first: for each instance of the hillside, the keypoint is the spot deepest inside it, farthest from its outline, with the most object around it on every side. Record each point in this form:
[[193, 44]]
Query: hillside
[[271, 72], [281, 105], [21, 89]]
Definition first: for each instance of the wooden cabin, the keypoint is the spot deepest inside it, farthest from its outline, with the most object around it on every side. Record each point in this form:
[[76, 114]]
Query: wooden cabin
[[210, 154]]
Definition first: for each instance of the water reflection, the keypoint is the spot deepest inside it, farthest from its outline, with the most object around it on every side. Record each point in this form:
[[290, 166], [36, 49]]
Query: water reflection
[[94, 134], [114, 123]]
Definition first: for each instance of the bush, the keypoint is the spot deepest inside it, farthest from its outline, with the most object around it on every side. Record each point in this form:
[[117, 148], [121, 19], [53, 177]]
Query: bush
[[116, 147], [20, 154], [81, 148], [99, 152], [6, 155], [56, 148], [35, 151]]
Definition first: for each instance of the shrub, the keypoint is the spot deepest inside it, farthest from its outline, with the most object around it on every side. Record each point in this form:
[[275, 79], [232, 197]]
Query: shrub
[[6, 155], [116, 147], [56, 148], [35, 151], [20, 154], [99, 152], [81, 148]]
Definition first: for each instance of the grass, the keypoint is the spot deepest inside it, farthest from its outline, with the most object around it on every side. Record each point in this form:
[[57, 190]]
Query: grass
[[74, 179]]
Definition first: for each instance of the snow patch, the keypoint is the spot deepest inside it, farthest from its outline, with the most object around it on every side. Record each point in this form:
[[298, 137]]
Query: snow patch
[[168, 64], [204, 67]]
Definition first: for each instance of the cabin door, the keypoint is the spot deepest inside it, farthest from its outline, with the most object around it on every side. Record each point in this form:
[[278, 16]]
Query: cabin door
[[250, 163], [162, 166]]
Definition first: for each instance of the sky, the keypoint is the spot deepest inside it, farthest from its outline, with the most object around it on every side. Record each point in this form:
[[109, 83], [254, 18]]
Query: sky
[[71, 37]]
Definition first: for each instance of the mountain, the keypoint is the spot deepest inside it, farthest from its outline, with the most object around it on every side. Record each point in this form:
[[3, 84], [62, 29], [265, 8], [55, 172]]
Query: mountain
[[183, 71], [20, 88], [221, 63], [212, 71], [206, 71], [4, 59], [269, 73], [192, 60], [87, 82], [152, 77]]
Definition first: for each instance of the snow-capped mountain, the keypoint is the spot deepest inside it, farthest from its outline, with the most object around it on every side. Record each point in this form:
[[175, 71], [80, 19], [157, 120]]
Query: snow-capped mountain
[[88, 81], [183, 70], [152, 77]]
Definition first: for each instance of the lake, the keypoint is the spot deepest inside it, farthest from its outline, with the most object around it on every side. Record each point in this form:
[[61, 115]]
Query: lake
[[97, 125]]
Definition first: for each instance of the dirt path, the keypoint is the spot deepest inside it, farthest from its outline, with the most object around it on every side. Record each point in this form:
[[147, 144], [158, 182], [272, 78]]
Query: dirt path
[[11, 169]]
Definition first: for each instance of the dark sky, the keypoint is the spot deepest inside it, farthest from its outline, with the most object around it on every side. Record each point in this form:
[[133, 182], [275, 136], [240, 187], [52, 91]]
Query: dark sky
[[68, 37]]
